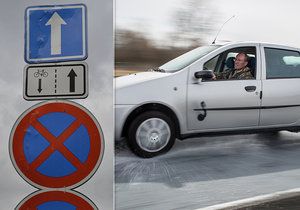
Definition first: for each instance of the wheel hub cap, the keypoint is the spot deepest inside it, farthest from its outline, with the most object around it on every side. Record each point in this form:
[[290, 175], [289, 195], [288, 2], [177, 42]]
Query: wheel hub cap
[[153, 134]]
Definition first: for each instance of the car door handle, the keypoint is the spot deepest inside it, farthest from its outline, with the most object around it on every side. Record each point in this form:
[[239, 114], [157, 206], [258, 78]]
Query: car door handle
[[250, 88]]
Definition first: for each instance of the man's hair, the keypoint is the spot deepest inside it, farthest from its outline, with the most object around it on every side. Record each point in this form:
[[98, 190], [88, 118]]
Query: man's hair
[[245, 54]]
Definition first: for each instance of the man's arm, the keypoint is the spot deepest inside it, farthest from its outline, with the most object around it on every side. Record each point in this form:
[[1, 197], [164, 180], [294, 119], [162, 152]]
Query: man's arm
[[223, 75]]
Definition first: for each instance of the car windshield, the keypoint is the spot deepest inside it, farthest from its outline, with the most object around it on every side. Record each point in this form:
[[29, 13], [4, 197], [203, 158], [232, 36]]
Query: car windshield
[[187, 58]]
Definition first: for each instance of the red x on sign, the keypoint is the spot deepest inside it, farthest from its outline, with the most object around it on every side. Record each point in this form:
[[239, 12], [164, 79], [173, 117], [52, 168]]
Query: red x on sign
[[56, 145], [56, 200]]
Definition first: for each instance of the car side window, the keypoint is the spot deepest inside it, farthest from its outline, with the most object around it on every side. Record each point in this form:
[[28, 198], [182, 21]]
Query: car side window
[[282, 63]]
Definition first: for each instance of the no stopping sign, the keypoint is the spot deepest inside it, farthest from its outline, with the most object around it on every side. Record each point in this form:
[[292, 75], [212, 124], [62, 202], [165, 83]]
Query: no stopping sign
[[56, 144], [45, 200]]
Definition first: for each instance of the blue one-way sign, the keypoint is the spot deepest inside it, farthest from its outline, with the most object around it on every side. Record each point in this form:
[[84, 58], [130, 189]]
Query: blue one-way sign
[[55, 33]]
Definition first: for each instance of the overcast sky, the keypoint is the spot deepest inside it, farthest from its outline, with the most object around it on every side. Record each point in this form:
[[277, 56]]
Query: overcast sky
[[273, 21]]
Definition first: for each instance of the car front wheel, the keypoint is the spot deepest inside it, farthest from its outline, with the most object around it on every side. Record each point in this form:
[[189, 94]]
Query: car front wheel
[[151, 133]]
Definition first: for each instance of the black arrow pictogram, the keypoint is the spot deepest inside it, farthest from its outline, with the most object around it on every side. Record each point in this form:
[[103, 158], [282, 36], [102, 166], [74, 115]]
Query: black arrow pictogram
[[40, 86], [72, 76]]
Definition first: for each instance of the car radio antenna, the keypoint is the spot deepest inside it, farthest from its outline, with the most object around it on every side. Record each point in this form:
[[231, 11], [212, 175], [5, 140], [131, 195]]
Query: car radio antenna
[[222, 28]]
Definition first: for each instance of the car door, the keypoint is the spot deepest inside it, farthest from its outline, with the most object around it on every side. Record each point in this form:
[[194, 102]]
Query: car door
[[223, 104], [281, 85]]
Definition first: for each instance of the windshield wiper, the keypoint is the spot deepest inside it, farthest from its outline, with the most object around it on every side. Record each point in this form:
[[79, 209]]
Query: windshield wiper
[[157, 69]]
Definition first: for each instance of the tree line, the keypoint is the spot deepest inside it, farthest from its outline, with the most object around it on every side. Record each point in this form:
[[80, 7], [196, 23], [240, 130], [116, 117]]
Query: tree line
[[133, 49]]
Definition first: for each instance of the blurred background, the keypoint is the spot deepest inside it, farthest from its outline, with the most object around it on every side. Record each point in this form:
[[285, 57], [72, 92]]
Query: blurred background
[[148, 33]]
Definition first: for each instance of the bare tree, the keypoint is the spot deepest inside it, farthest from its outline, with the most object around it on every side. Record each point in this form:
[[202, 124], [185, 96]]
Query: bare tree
[[132, 46], [194, 22]]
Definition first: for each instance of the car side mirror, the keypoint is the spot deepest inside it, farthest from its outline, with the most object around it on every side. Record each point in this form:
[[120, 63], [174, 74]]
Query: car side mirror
[[204, 74]]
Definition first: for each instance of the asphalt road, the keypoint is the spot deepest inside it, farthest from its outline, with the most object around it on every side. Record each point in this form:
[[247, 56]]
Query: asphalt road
[[207, 171]]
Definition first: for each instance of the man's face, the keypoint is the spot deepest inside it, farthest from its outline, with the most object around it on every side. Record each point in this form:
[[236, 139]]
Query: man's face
[[240, 62]]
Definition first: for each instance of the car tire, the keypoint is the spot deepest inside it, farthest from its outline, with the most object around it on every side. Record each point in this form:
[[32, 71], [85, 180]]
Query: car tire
[[151, 133]]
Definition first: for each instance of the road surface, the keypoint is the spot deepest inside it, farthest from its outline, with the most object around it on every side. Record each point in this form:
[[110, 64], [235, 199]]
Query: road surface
[[206, 171]]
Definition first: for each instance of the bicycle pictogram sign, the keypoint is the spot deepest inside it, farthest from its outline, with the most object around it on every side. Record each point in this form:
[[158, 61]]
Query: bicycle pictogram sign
[[57, 144], [45, 200], [41, 73]]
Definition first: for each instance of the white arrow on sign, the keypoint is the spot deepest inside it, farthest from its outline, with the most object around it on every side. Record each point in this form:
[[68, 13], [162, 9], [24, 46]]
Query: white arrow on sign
[[55, 22]]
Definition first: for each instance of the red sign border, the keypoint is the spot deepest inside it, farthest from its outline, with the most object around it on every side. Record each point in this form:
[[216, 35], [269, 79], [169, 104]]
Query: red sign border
[[41, 196], [24, 121]]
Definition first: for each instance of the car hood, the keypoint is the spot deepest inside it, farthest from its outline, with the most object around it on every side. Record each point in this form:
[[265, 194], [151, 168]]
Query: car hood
[[133, 79]]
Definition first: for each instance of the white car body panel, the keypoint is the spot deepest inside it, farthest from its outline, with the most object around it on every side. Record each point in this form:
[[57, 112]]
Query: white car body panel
[[166, 89], [223, 114]]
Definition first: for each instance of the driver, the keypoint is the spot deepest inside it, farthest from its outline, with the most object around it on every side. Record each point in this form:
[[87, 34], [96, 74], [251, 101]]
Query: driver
[[240, 71]]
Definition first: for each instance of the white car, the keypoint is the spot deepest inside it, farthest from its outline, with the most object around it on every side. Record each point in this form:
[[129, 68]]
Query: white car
[[179, 100]]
